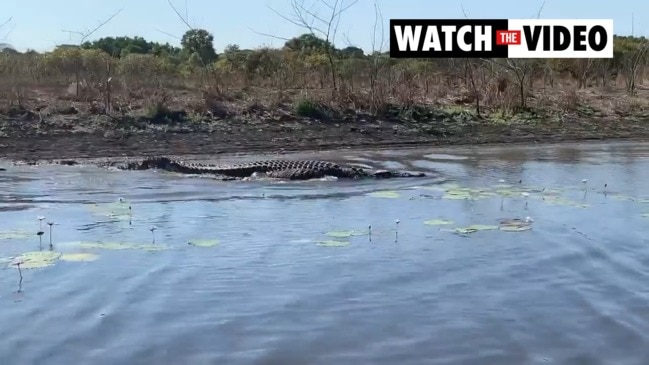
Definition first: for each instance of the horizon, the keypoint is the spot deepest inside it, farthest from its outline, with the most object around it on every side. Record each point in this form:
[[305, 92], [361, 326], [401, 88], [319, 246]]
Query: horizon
[[51, 25]]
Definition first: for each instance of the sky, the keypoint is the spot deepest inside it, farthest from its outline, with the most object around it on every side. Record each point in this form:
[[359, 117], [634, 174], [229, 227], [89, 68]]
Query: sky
[[43, 24]]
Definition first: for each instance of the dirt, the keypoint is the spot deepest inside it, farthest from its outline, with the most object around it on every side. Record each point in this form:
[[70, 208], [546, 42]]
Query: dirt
[[31, 136]]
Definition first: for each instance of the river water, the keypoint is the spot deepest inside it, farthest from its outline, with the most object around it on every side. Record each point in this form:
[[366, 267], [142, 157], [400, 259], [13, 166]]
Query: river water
[[262, 272]]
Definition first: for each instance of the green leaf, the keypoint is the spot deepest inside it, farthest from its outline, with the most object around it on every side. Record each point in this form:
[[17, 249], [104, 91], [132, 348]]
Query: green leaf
[[333, 243], [384, 194], [203, 243], [475, 228], [438, 222], [79, 257], [345, 234], [35, 259], [15, 235]]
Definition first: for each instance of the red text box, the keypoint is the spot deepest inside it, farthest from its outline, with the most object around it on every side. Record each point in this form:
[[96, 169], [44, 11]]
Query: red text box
[[507, 37]]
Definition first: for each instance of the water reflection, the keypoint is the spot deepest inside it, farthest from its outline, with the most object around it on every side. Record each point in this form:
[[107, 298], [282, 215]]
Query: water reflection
[[268, 293]]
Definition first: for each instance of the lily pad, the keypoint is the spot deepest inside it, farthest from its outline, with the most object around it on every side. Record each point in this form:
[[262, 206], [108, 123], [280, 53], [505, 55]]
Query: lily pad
[[551, 192], [345, 234], [333, 243], [438, 222], [511, 192], [515, 225], [623, 197], [475, 228], [35, 259], [467, 194], [203, 243], [643, 201], [384, 194], [644, 215], [15, 235], [456, 196], [79, 257]]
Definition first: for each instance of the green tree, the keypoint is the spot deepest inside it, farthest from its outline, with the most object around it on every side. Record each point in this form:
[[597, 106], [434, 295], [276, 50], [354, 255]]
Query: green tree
[[308, 44], [123, 46], [200, 42], [352, 52]]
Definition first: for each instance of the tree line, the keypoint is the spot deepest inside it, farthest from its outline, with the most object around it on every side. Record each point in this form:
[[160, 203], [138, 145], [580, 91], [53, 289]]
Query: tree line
[[353, 78]]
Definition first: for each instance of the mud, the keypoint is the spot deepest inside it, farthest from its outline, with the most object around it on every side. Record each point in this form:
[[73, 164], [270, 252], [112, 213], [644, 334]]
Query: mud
[[69, 139]]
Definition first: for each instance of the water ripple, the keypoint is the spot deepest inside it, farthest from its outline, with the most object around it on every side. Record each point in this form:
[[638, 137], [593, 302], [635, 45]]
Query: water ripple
[[572, 290]]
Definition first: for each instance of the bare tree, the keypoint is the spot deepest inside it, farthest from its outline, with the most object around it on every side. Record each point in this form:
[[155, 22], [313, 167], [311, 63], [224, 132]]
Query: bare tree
[[84, 35], [631, 64], [6, 22], [377, 58], [523, 69], [9, 31], [469, 74], [584, 69], [327, 27]]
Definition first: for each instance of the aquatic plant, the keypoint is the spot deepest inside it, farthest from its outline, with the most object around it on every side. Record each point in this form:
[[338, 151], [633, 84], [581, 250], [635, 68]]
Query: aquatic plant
[[14, 235], [623, 197], [525, 195], [458, 193], [40, 227], [396, 231], [475, 228], [50, 224], [390, 194], [20, 275], [332, 243], [348, 233], [438, 222], [79, 257], [203, 243], [36, 259], [516, 225]]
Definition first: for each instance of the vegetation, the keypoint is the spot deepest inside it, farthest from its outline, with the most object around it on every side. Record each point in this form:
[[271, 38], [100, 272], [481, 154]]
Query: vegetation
[[124, 75]]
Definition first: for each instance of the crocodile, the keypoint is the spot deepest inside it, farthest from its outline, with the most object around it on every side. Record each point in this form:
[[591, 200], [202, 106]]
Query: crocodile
[[278, 168]]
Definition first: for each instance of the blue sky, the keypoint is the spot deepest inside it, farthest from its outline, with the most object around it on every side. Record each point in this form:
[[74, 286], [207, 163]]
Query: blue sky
[[40, 24]]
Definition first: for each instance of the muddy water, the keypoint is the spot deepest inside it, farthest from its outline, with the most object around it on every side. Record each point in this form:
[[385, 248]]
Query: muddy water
[[267, 285]]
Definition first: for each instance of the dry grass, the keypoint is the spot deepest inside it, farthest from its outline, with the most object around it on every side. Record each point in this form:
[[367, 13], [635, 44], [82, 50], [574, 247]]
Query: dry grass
[[271, 81]]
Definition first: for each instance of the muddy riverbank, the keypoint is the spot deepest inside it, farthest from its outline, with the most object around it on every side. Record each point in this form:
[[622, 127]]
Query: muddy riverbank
[[32, 138]]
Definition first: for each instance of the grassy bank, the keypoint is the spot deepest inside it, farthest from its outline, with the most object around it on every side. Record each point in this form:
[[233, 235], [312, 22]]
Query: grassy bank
[[124, 87]]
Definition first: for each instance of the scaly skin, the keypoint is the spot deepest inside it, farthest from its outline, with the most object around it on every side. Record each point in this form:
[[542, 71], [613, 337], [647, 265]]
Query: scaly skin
[[281, 169]]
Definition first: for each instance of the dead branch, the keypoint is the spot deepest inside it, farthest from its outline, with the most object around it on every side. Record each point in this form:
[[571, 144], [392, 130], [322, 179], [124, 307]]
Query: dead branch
[[183, 19], [269, 35], [6, 22], [86, 34]]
